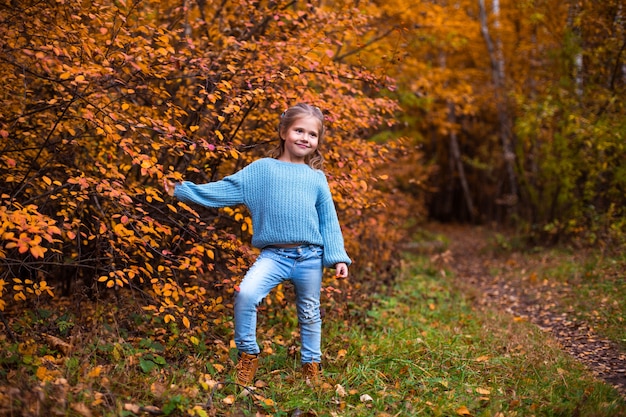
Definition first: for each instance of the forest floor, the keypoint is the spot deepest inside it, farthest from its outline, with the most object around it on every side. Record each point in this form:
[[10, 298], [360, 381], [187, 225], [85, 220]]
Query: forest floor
[[475, 323], [521, 284]]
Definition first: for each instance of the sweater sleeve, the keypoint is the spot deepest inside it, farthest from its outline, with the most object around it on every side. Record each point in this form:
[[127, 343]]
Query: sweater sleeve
[[223, 193], [334, 250]]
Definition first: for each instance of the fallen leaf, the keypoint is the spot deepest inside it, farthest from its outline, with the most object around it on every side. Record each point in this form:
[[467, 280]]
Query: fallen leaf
[[133, 408], [157, 389], [463, 411], [340, 390], [365, 398], [82, 409], [57, 343]]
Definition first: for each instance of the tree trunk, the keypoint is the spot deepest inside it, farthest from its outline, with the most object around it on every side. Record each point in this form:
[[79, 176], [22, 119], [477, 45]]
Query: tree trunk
[[456, 158], [504, 118]]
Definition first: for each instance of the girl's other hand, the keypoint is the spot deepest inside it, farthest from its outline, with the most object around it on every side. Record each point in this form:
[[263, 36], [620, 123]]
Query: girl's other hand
[[342, 270]]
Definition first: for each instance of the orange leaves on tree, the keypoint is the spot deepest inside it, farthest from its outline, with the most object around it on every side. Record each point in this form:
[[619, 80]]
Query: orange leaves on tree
[[119, 106]]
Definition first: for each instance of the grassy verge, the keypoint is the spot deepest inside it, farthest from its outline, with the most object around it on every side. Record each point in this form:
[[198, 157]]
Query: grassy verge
[[420, 351], [587, 284]]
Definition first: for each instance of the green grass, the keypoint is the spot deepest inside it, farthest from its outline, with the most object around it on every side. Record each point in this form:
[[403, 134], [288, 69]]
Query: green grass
[[425, 351], [421, 350]]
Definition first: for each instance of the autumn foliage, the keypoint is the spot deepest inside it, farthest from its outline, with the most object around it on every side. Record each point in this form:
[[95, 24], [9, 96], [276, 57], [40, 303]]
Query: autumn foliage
[[520, 107], [102, 100]]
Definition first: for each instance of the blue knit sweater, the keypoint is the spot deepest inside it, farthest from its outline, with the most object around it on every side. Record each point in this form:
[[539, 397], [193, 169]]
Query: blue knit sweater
[[289, 203]]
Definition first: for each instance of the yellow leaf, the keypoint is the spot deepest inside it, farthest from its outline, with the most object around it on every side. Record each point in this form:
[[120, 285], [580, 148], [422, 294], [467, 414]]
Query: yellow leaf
[[483, 391], [103, 278], [219, 135], [295, 69], [125, 106], [194, 128], [65, 76], [229, 399], [200, 412], [46, 180], [43, 374], [463, 411], [234, 153], [95, 372], [168, 318], [186, 322]]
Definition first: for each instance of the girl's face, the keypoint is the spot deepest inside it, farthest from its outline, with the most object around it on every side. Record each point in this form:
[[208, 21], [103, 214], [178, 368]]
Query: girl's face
[[301, 139]]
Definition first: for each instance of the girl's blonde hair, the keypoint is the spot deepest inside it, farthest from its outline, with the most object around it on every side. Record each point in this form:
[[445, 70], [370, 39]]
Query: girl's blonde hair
[[288, 118]]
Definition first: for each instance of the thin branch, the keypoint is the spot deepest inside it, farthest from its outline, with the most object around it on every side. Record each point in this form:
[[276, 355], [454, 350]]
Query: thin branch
[[365, 45]]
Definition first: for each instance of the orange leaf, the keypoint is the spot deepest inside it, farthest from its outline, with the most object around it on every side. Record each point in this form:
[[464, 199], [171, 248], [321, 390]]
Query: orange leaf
[[463, 411], [38, 251]]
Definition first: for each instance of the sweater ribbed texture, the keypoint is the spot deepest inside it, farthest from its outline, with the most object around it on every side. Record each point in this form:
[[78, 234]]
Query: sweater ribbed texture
[[289, 203]]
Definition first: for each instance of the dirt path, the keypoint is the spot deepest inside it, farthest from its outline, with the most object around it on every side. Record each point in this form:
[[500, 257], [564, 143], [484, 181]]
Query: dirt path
[[536, 302]]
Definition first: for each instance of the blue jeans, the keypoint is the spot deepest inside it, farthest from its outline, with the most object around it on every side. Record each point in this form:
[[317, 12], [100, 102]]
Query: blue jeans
[[301, 265]]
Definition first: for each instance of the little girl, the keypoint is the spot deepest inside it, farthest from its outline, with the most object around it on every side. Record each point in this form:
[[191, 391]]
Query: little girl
[[294, 224]]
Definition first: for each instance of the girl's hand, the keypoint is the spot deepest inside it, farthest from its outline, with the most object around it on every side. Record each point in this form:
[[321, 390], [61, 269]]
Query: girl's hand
[[342, 270], [169, 187]]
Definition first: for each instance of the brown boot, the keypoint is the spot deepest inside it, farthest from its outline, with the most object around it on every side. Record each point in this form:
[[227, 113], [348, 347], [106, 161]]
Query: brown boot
[[312, 373], [246, 369]]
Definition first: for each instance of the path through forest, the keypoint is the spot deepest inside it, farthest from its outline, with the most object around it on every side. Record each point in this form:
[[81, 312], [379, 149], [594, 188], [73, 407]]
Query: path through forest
[[537, 302]]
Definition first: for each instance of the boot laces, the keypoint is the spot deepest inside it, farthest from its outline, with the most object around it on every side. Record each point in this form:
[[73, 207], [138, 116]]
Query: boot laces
[[311, 371], [246, 369]]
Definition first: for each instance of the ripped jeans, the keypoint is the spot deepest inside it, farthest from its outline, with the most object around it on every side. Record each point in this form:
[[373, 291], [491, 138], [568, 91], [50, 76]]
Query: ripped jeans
[[301, 265]]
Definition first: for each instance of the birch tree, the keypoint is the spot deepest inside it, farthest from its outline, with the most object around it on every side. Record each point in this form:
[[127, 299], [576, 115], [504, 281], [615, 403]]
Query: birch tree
[[502, 108]]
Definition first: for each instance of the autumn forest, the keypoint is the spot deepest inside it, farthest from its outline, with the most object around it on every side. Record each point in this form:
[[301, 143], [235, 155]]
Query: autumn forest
[[470, 111]]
